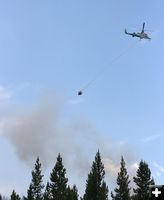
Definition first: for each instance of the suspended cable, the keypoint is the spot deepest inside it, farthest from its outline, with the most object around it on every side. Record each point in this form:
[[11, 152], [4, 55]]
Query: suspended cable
[[101, 72]]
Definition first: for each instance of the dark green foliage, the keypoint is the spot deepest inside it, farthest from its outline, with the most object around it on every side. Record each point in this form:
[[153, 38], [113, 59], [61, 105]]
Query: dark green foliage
[[122, 191], [104, 191], [69, 193], [72, 194], [47, 193], [96, 188], [152, 182], [14, 196], [58, 184], [30, 195], [35, 190], [142, 180]]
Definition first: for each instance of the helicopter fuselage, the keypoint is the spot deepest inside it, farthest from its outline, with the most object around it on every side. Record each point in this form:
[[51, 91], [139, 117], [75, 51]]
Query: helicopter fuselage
[[141, 35]]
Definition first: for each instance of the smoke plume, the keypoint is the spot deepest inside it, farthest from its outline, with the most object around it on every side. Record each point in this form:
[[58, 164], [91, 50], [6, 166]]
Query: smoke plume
[[45, 130]]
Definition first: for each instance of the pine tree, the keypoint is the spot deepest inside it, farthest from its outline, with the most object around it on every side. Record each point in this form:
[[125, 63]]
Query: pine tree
[[30, 195], [142, 180], [152, 182], [96, 188], [122, 192], [69, 193], [72, 194], [58, 184], [75, 193], [14, 196], [35, 190], [47, 193], [104, 191]]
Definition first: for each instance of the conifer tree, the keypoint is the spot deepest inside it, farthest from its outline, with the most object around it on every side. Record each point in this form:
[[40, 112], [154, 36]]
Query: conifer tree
[[104, 191], [58, 184], [72, 194], [142, 180], [122, 191], [35, 190], [30, 195], [69, 193], [47, 193], [14, 196], [96, 188], [152, 182]]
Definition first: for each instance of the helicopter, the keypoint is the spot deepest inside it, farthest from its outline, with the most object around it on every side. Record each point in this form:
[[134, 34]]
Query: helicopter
[[141, 35]]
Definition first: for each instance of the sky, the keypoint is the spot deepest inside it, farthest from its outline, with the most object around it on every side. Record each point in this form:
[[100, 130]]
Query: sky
[[49, 50]]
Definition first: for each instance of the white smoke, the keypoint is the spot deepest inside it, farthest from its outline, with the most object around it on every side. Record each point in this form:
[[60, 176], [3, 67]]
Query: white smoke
[[45, 131]]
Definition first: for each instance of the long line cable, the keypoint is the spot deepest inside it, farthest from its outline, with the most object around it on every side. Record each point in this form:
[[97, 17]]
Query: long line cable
[[102, 71]]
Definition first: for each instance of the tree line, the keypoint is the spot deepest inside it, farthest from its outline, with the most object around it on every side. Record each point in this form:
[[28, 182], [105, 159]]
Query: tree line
[[57, 187]]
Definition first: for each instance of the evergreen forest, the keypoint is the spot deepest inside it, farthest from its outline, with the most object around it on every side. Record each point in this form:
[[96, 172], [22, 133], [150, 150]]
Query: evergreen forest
[[96, 188]]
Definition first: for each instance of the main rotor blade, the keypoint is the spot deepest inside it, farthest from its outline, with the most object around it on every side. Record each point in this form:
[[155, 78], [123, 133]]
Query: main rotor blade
[[143, 27]]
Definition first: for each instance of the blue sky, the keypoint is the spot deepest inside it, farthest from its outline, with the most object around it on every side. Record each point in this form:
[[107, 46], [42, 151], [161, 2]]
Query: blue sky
[[52, 49]]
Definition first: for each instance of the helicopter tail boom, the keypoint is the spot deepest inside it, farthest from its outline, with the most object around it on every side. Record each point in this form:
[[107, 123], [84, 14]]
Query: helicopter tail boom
[[126, 31]]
